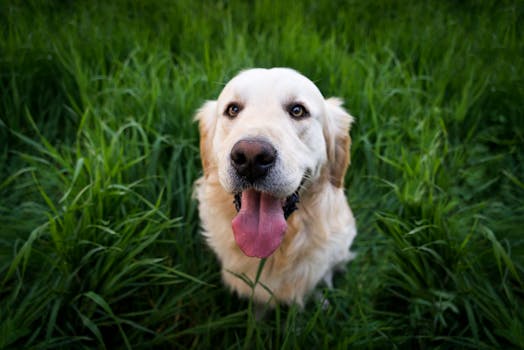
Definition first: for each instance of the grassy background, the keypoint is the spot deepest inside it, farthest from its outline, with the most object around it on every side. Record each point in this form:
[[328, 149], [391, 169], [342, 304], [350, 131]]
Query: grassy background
[[99, 243]]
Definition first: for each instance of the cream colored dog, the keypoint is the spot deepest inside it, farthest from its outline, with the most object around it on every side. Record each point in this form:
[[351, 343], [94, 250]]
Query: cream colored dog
[[274, 154]]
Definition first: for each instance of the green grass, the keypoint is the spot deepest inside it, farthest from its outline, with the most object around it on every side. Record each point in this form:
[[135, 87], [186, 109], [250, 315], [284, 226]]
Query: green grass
[[99, 233]]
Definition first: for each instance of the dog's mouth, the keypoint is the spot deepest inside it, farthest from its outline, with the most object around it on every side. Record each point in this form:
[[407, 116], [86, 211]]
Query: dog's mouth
[[260, 223], [289, 205]]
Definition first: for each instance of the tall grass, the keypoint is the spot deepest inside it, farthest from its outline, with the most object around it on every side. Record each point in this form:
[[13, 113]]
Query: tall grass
[[100, 244]]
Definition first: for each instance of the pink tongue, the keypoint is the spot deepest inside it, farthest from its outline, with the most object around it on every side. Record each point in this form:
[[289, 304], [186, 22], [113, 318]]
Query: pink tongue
[[259, 225]]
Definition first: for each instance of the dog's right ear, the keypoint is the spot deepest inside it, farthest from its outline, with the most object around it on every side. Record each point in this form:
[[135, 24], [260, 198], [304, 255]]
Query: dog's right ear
[[206, 117], [338, 141]]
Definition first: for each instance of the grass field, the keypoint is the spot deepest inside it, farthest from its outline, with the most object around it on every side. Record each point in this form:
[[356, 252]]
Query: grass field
[[99, 234]]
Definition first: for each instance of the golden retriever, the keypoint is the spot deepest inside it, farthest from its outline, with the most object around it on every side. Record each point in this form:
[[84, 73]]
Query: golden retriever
[[274, 154]]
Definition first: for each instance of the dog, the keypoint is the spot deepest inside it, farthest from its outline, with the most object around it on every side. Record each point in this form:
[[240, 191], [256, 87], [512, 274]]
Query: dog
[[274, 155]]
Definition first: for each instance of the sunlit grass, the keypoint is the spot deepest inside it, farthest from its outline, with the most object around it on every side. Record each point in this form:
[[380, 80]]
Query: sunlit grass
[[100, 244]]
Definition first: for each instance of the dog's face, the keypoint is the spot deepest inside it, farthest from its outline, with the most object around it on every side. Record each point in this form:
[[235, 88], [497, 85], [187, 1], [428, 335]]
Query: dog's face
[[276, 115], [269, 133]]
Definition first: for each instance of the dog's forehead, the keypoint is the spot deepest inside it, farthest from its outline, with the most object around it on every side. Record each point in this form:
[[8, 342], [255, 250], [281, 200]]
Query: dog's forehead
[[279, 83]]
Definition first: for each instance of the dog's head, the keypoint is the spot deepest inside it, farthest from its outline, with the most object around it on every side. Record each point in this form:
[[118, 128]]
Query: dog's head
[[270, 133]]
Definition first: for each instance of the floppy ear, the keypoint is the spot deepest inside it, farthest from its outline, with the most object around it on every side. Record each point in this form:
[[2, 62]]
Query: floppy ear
[[206, 117], [338, 141]]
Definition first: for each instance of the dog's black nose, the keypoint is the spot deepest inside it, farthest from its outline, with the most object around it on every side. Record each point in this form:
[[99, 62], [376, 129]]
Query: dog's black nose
[[252, 158]]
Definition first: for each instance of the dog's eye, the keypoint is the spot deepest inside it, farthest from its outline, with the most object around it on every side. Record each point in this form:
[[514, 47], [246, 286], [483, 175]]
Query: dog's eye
[[232, 110], [297, 111]]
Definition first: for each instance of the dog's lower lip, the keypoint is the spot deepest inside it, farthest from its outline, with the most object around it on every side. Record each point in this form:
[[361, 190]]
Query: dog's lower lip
[[290, 205]]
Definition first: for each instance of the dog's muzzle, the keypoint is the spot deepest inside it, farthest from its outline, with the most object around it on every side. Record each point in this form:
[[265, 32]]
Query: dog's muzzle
[[252, 158]]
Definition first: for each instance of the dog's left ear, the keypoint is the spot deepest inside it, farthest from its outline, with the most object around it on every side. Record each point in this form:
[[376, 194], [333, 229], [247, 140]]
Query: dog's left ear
[[338, 141], [206, 117]]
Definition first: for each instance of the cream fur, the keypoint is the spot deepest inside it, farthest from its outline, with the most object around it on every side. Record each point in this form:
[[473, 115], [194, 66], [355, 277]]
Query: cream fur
[[321, 231]]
